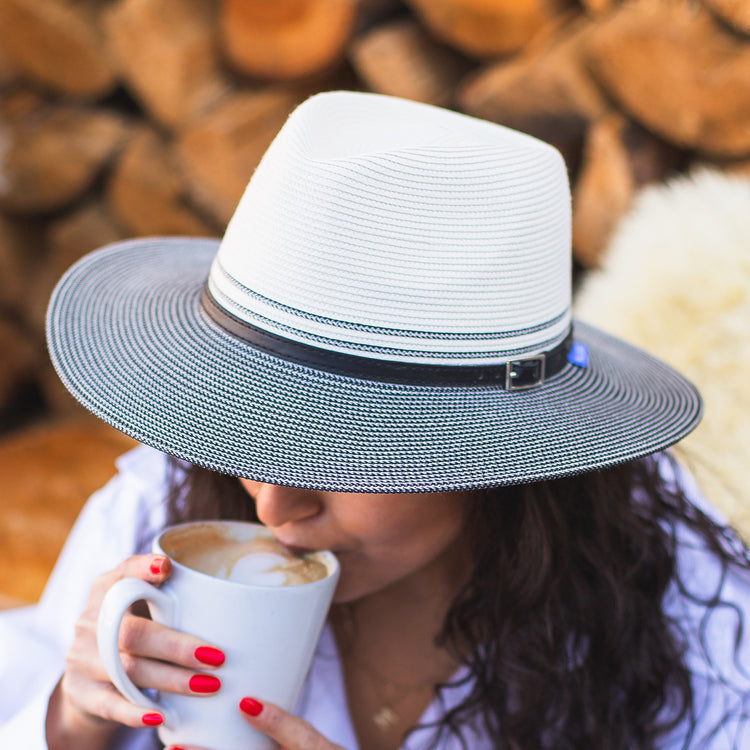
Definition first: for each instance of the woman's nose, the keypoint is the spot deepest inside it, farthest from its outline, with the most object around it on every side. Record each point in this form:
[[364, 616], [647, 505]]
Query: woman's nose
[[277, 505]]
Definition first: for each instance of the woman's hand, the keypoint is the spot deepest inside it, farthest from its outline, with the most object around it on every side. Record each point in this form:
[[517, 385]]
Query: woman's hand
[[291, 732], [85, 708]]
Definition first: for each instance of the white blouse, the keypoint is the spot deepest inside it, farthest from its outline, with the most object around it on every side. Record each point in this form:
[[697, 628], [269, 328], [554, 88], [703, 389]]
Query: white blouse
[[121, 519]]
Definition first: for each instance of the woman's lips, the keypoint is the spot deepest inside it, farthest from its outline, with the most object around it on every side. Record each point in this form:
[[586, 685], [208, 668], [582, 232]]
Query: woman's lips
[[302, 547], [297, 550], [295, 547]]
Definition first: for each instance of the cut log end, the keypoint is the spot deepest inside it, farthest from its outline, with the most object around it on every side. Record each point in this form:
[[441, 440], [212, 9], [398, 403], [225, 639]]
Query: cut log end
[[147, 194], [734, 13], [58, 45], [54, 153], [673, 69], [487, 28], [48, 473], [400, 59], [547, 92], [167, 55], [284, 41], [604, 190]]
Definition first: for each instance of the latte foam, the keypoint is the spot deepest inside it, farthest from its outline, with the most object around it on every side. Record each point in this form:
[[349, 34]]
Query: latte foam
[[262, 561]]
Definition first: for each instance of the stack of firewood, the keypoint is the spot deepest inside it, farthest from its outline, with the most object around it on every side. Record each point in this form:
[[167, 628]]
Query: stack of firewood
[[136, 117]]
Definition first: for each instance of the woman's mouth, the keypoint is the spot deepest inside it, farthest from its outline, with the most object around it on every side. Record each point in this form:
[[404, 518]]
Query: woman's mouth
[[299, 551]]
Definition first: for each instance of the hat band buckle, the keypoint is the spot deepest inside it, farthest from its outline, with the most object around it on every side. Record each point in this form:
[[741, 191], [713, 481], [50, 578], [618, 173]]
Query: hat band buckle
[[525, 373]]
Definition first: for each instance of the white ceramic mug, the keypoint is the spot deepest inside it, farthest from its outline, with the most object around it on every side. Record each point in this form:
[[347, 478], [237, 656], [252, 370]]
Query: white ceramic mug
[[267, 632]]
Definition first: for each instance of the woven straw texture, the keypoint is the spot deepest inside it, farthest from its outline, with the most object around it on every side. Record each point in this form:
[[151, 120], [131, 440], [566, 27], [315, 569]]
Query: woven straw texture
[[129, 340], [404, 231]]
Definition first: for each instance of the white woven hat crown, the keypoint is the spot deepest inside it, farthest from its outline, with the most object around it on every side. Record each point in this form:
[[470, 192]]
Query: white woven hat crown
[[398, 231]]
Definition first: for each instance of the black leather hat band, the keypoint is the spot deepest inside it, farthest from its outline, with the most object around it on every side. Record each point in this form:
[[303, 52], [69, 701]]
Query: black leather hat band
[[517, 374]]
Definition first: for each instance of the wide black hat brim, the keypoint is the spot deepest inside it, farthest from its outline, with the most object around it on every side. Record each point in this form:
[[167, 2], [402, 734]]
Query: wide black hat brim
[[128, 337]]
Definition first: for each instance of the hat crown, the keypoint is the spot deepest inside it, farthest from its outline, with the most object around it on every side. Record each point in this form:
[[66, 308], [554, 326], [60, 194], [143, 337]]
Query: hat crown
[[400, 231]]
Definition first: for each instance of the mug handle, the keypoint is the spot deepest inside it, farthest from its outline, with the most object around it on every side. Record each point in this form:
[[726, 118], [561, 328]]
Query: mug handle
[[115, 604]]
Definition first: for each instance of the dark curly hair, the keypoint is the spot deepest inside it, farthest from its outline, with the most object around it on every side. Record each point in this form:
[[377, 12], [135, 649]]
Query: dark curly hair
[[562, 624]]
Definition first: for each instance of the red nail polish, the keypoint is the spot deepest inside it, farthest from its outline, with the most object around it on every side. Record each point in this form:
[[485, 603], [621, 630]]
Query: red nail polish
[[204, 683], [152, 720], [156, 566], [251, 706], [208, 655]]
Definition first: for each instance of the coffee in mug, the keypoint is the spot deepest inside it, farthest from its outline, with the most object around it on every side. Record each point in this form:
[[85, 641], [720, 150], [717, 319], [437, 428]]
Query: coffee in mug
[[234, 586], [212, 549]]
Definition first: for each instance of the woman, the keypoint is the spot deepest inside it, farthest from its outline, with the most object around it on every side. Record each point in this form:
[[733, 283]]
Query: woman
[[379, 359]]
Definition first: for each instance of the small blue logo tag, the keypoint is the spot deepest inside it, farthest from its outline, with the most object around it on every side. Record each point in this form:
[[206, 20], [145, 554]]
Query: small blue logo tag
[[579, 355]]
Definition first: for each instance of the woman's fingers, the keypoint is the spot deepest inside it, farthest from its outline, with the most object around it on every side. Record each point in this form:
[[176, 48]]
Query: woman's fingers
[[146, 638], [96, 703], [156, 656], [291, 732], [154, 569], [90, 699], [148, 673], [152, 655], [86, 706]]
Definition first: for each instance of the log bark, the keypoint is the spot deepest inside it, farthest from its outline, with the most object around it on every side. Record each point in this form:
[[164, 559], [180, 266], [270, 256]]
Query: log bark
[[167, 52], [147, 193], [53, 152], [68, 238], [21, 244], [286, 39], [48, 473], [400, 59], [19, 361], [604, 189], [598, 7], [58, 44], [735, 13], [740, 168], [219, 153], [651, 158], [9, 72], [487, 28], [546, 91], [674, 70]]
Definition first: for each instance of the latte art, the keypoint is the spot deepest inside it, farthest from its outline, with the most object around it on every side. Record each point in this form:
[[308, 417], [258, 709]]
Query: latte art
[[261, 561]]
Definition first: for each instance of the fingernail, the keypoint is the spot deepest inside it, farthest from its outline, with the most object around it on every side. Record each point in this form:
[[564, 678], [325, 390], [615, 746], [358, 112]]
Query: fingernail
[[251, 706], [156, 565], [204, 683], [152, 720], [208, 655]]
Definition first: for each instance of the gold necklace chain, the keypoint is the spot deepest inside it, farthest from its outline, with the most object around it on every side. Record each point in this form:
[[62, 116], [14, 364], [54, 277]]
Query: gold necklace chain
[[389, 695]]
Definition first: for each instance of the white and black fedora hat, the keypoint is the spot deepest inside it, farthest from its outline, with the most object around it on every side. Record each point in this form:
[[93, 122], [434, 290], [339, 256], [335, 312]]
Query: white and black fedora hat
[[388, 311]]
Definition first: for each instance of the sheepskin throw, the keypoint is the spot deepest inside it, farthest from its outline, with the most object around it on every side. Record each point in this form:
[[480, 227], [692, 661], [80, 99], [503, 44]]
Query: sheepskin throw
[[675, 280]]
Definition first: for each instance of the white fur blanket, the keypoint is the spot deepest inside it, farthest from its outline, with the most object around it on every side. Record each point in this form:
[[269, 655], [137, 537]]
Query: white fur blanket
[[675, 281]]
